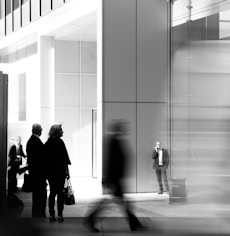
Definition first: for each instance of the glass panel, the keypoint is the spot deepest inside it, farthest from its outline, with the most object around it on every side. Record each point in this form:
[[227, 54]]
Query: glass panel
[[2, 9], [8, 7], [22, 97], [17, 15], [57, 3], [45, 6], [24, 1], [25, 12], [16, 4], [2, 18], [8, 17], [94, 143], [200, 101], [35, 9]]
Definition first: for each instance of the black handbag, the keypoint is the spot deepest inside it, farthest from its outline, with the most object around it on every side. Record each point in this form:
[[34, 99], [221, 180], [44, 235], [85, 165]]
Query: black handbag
[[27, 184], [69, 198]]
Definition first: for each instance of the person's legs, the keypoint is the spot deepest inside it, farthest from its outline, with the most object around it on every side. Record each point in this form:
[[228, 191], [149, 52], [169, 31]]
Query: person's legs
[[43, 200], [165, 179], [35, 203], [39, 197], [51, 199], [159, 179], [52, 202], [60, 199], [134, 223], [90, 218], [12, 180]]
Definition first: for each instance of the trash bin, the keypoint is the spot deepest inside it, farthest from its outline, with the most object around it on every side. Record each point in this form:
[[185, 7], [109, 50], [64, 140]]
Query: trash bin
[[177, 191]]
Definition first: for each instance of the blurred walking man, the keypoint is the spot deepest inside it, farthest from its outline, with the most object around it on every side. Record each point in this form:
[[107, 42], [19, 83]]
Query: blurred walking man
[[115, 168]]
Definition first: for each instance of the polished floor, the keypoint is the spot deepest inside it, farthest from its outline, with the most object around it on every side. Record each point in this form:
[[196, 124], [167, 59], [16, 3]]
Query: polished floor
[[153, 210]]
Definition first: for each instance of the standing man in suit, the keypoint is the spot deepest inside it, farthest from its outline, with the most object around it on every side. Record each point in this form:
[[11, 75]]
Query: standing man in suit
[[37, 171], [161, 162]]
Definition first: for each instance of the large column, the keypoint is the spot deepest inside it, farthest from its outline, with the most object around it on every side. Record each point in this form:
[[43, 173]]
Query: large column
[[47, 86], [3, 141], [152, 87], [135, 78], [119, 68]]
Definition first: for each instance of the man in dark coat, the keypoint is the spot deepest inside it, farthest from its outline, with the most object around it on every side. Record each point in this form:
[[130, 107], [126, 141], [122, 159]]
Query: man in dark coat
[[115, 168], [161, 162], [37, 171]]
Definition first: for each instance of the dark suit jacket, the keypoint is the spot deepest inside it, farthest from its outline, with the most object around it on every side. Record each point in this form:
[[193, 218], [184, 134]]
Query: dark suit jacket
[[14, 162], [115, 160], [36, 161], [155, 157]]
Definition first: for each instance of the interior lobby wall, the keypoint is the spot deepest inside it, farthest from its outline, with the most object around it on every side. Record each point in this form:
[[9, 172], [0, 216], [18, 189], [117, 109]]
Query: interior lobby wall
[[75, 99]]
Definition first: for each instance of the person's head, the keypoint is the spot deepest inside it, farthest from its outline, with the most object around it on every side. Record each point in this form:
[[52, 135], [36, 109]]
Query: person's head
[[158, 145], [120, 127], [37, 129], [18, 140], [56, 131]]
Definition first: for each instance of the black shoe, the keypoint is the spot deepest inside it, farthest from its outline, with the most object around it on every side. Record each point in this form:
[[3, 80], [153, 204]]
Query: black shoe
[[52, 219], [139, 227], [89, 223], [161, 192], [60, 219]]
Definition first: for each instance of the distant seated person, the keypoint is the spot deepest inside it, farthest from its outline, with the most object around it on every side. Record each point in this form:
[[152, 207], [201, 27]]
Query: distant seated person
[[15, 161]]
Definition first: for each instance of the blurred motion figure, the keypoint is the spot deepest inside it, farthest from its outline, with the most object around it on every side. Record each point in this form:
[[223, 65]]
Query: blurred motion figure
[[115, 168]]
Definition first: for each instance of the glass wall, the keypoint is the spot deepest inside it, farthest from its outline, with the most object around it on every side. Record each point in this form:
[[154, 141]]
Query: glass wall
[[35, 9], [45, 7], [8, 12], [76, 100], [57, 3], [2, 18], [17, 15], [25, 12], [200, 112]]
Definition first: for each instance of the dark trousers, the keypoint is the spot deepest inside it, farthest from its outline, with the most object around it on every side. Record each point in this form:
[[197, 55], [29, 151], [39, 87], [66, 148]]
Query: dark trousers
[[12, 181], [161, 173], [56, 189], [119, 197], [39, 198]]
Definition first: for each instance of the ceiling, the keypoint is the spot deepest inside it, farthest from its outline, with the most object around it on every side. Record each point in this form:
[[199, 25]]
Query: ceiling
[[84, 29]]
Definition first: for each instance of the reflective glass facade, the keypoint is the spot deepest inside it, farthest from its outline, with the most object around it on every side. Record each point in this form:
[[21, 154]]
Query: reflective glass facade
[[199, 95]]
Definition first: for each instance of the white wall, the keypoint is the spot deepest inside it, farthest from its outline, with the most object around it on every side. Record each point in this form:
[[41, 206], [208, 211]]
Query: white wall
[[75, 98]]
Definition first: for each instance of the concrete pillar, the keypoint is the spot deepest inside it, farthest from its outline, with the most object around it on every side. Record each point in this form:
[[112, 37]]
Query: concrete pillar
[[47, 85], [135, 79]]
